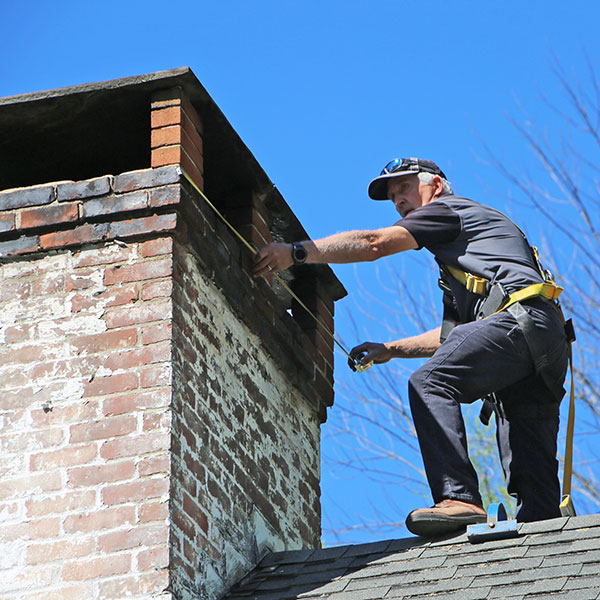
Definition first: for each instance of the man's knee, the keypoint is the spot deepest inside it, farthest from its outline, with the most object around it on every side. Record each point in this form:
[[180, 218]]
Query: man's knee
[[417, 385]]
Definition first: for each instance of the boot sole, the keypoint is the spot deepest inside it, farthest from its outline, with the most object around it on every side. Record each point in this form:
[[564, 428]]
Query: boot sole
[[432, 525]]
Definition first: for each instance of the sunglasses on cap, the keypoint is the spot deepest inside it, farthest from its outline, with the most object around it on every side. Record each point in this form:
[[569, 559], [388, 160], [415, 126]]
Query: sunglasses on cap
[[412, 165]]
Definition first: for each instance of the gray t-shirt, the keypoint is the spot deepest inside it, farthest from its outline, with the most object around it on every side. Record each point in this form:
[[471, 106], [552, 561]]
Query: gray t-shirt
[[476, 239]]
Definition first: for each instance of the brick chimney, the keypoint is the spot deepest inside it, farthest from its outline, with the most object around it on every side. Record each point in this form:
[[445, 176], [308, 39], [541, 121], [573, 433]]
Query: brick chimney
[[160, 409]]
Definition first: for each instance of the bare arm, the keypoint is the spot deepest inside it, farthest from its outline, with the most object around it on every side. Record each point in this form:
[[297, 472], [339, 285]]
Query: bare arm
[[346, 247], [419, 346]]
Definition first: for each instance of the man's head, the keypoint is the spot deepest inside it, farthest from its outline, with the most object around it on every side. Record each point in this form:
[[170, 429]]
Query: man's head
[[409, 183]]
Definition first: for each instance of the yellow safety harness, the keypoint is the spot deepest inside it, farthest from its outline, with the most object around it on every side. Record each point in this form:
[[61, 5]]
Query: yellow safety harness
[[551, 291]]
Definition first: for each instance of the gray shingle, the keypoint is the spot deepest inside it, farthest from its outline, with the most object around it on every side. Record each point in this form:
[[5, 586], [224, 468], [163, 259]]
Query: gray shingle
[[558, 559]]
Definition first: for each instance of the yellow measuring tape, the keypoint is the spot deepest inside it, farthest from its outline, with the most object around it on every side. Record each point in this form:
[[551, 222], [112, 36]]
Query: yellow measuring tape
[[360, 368]]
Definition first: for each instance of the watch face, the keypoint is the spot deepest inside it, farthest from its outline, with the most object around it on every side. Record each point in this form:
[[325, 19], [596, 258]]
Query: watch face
[[299, 253]]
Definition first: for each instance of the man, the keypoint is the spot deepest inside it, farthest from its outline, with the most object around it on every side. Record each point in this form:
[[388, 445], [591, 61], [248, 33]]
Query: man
[[513, 355]]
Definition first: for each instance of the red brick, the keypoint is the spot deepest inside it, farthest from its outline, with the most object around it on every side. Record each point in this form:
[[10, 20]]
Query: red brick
[[93, 475], [157, 247], [61, 503], [190, 112], [156, 376], [126, 403], [155, 558], [98, 567], [153, 465], [165, 136], [159, 289], [135, 445], [112, 384], [106, 428], [139, 357], [152, 269], [65, 457], [195, 513], [153, 511], [193, 149], [74, 237], [193, 171], [134, 492], [141, 313], [51, 551], [100, 520], [150, 535], [70, 592], [49, 215], [164, 117], [166, 155], [157, 333]]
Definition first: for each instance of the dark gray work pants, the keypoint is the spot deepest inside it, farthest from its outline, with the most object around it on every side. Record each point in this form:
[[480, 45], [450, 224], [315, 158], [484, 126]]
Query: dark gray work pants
[[477, 359]]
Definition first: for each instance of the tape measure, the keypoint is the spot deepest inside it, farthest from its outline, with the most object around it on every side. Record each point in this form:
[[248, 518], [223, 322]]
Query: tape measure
[[353, 362]]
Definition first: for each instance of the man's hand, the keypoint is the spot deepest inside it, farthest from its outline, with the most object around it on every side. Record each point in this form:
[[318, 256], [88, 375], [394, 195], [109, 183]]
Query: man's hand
[[273, 257], [370, 352]]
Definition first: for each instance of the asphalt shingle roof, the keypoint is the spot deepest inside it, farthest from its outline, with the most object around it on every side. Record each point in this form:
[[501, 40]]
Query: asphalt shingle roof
[[554, 559]]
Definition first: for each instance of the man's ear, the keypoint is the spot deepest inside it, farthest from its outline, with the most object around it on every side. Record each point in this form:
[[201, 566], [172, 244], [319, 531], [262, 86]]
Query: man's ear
[[438, 186]]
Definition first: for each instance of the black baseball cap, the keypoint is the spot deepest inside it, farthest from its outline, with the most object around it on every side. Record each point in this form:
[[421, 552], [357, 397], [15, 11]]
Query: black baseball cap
[[398, 167]]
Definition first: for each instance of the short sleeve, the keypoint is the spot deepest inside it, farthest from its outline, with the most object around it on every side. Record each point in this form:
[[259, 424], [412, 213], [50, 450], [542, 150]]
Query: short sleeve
[[433, 223]]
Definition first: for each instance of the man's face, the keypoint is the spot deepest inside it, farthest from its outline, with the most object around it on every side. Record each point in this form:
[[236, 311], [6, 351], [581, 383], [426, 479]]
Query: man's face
[[407, 193]]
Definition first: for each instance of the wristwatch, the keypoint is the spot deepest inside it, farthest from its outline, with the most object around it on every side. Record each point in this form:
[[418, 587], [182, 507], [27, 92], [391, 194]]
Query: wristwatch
[[299, 253]]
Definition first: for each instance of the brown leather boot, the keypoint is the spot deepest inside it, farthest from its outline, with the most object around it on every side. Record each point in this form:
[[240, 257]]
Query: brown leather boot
[[445, 517]]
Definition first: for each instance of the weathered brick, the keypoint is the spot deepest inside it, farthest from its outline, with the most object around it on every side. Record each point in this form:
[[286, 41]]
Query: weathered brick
[[34, 529], [108, 340], [80, 235], [98, 567], [49, 215], [156, 376], [75, 190], [106, 428], [115, 204], [132, 538], [154, 464], [24, 485], [111, 384], [111, 297], [100, 519], [139, 357], [126, 403], [155, 510], [7, 222], [61, 503], [158, 289], [65, 457], [154, 558], [142, 313], [52, 551], [156, 333], [22, 245], [22, 197], [147, 178], [157, 247], [135, 445], [143, 225], [165, 196], [134, 492]]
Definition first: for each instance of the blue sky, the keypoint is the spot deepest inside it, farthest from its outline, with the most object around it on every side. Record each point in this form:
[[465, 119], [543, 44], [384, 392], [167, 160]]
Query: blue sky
[[324, 94]]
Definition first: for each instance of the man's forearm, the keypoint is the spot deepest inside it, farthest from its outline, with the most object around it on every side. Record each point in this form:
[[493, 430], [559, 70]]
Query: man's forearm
[[419, 346]]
